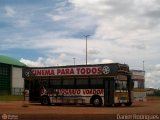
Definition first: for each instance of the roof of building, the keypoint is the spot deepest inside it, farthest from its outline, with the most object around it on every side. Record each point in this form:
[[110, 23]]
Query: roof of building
[[11, 61]]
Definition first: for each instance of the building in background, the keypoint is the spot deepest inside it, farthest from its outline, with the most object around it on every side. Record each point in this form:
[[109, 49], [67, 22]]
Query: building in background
[[11, 81], [150, 91], [138, 76]]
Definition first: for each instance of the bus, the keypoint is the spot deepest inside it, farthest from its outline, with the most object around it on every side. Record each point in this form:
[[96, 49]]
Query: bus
[[97, 85]]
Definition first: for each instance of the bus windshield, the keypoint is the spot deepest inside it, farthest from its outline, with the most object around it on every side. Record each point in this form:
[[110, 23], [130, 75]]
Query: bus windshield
[[121, 85]]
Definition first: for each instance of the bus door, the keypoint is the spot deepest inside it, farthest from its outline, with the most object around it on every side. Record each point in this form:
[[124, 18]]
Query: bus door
[[108, 91], [34, 90]]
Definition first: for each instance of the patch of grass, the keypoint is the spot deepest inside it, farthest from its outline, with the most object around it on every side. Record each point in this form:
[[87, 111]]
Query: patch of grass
[[153, 97], [11, 97]]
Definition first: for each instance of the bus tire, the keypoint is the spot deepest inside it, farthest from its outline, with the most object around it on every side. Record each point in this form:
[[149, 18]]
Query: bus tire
[[58, 104], [96, 101], [45, 100], [128, 104]]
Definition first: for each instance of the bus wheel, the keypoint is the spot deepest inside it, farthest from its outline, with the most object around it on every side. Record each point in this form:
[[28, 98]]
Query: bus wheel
[[45, 100], [128, 104], [97, 101]]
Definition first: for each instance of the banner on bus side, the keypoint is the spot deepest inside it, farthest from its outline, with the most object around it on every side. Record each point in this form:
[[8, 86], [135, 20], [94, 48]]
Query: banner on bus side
[[68, 71]]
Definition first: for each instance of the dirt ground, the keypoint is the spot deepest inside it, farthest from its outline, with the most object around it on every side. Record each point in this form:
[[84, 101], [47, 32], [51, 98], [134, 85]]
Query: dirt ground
[[139, 110]]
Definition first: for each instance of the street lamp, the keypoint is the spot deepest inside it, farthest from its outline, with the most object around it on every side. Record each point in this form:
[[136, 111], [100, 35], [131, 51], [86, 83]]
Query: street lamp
[[143, 65], [86, 46]]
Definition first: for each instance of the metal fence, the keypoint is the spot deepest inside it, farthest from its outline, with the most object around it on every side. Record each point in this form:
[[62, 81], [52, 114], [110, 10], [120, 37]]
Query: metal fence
[[17, 91]]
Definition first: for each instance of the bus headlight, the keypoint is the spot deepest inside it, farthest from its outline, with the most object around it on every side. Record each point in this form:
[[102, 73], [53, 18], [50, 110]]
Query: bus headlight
[[116, 100]]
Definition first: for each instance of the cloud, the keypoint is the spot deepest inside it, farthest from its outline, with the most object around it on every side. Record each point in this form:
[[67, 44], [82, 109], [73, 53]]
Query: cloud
[[57, 17], [152, 76], [60, 60], [10, 12], [121, 31], [93, 7], [23, 22], [42, 61], [30, 63], [103, 61], [107, 61], [93, 51]]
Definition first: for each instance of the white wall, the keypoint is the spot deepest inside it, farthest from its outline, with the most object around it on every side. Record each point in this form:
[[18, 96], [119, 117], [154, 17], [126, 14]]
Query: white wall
[[17, 80]]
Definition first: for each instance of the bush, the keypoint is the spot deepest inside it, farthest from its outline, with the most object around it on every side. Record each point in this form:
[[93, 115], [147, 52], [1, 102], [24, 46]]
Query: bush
[[11, 98], [157, 92]]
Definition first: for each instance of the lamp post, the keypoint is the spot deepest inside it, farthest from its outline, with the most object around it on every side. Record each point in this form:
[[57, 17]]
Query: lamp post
[[143, 65], [86, 46]]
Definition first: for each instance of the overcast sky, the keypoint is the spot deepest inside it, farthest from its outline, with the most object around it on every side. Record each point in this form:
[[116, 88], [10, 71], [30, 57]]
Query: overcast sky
[[51, 32]]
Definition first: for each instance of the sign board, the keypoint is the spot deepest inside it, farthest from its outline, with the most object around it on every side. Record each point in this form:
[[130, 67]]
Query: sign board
[[106, 69], [79, 70], [97, 70]]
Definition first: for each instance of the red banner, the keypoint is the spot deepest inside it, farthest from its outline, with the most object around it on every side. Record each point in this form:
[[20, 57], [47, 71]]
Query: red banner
[[68, 71], [81, 91]]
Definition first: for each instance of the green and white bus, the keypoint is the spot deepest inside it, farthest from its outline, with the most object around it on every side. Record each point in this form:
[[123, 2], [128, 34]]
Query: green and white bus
[[98, 84]]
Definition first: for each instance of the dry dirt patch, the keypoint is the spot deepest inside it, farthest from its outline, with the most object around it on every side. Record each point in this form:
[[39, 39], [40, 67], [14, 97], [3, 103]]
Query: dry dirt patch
[[71, 112]]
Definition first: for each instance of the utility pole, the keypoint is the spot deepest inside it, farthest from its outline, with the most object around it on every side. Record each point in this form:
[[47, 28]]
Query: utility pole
[[74, 60], [143, 65], [86, 46]]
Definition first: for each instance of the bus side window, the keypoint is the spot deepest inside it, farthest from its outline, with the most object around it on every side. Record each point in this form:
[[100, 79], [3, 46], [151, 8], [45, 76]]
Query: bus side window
[[124, 85], [117, 85], [82, 83], [132, 84], [135, 84], [96, 82], [68, 83]]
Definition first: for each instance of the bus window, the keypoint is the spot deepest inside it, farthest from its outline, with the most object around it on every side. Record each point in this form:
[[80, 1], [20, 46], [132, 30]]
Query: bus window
[[55, 83], [135, 84], [117, 85], [124, 85], [44, 83], [82, 83], [141, 84], [68, 83], [96, 82], [138, 84], [121, 85]]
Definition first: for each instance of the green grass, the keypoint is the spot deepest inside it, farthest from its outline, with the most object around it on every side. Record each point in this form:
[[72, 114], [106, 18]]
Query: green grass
[[11, 98], [153, 97]]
